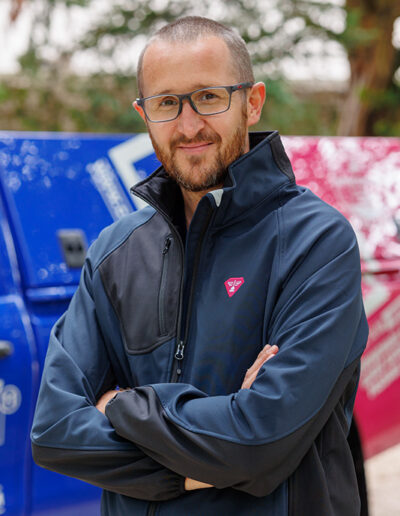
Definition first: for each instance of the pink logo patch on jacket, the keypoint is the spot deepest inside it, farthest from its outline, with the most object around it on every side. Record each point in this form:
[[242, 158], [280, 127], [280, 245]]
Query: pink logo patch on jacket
[[232, 285]]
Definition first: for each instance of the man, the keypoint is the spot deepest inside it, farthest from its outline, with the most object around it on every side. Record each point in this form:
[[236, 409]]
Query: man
[[178, 300]]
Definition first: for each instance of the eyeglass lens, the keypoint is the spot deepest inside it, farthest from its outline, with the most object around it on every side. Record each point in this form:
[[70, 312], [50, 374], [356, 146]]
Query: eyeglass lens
[[208, 101]]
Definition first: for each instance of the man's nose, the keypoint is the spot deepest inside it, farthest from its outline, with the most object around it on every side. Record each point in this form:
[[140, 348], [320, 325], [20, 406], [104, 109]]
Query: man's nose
[[189, 122]]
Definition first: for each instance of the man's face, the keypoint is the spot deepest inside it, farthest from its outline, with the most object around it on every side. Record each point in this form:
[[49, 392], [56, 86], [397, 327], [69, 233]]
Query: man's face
[[195, 150]]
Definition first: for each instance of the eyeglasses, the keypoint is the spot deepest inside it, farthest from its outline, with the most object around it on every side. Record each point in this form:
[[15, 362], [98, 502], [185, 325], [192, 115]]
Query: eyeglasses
[[206, 101]]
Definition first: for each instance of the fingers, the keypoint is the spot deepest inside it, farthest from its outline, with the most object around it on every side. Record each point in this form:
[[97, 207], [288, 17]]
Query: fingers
[[248, 380], [260, 358], [191, 484], [105, 398], [265, 354]]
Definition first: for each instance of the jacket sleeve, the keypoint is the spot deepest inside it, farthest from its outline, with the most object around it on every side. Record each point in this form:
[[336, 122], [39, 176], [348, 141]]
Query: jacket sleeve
[[254, 439], [69, 435]]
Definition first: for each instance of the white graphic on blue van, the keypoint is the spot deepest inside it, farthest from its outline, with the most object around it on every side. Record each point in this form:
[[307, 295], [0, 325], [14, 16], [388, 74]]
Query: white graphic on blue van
[[10, 401], [125, 158], [2, 501], [109, 188]]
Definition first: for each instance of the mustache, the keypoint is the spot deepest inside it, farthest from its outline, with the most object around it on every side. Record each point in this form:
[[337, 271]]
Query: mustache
[[200, 137]]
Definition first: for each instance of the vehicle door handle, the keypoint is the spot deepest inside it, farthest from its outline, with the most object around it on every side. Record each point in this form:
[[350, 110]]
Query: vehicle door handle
[[396, 221], [6, 348]]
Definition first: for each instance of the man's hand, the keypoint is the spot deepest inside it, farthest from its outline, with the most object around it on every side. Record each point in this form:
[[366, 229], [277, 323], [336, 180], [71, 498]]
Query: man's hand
[[191, 484], [265, 354], [107, 396]]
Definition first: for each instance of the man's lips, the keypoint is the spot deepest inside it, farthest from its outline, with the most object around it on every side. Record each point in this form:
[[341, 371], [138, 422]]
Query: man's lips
[[193, 148]]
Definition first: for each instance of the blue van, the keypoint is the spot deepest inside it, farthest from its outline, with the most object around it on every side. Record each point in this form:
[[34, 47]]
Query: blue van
[[57, 192]]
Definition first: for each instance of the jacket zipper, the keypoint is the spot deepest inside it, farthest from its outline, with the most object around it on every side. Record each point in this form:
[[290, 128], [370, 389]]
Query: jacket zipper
[[163, 284], [152, 507], [181, 343], [180, 347]]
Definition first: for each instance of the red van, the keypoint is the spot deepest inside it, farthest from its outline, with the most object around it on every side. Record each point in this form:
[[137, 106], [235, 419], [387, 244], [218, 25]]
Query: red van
[[361, 178]]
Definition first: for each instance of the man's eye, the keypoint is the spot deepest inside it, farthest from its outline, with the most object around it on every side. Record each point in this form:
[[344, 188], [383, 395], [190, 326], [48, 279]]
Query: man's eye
[[168, 102], [208, 96]]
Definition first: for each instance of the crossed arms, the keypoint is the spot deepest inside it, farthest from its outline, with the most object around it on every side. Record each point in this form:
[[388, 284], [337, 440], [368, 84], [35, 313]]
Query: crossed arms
[[265, 354], [156, 436]]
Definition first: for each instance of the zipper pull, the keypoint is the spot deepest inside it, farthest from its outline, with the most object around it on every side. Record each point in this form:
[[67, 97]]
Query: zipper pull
[[180, 350], [166, 245]]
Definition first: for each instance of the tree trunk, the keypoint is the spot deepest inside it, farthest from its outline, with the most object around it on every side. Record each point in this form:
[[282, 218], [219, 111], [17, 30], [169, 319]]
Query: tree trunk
[[371, 65]]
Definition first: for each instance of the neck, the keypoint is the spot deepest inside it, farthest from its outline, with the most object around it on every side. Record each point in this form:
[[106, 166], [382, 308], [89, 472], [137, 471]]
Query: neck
[[191, 200]]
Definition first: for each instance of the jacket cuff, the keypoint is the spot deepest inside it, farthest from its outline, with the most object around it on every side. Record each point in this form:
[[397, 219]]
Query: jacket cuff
[[167, 483]]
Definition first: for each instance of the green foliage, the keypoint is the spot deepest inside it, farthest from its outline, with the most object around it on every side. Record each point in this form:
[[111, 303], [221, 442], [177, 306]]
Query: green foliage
[[292, 113], [355, 35], [384, 106], [46, 97], [94, 104], [103, 104], [30, 62]]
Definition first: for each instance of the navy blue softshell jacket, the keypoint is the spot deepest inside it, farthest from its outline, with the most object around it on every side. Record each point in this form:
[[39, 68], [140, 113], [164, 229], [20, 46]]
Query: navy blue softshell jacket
[[156, 312]]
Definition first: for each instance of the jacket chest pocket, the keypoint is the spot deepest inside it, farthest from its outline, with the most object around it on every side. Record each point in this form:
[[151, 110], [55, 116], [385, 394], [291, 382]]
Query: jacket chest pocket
[[142, 282]]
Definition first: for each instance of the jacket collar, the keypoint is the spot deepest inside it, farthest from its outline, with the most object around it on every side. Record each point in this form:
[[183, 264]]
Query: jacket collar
[[251, 179]]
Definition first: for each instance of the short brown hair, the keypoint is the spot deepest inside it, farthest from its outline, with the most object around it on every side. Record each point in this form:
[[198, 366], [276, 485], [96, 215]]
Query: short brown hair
[[191, 28]]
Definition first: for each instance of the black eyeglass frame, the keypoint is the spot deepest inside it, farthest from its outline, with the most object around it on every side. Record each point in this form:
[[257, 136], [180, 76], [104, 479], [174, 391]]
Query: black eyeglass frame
[[230, 89]]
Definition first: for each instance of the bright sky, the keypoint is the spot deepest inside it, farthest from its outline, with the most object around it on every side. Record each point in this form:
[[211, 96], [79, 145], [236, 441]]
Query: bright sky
[[70, 24]]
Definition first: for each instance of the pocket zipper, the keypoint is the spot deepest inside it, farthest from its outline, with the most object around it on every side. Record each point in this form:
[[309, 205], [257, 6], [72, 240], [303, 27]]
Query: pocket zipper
[[163, 285]]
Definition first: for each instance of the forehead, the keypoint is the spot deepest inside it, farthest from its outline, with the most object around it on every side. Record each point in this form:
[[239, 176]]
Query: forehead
[[179, 67]]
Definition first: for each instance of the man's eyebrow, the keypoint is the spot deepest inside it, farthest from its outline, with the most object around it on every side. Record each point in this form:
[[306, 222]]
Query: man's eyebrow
[[195, 87]]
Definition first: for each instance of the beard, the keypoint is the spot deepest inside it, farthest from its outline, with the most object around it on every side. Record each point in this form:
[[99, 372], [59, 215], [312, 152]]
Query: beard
[[198, 174]]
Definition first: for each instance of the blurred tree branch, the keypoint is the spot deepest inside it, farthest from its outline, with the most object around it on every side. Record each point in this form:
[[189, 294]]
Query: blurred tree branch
[[373, 96], [16, 6]]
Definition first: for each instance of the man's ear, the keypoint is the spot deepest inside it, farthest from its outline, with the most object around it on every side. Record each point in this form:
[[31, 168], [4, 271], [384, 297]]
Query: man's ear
[[139, 109], [255, 102]]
